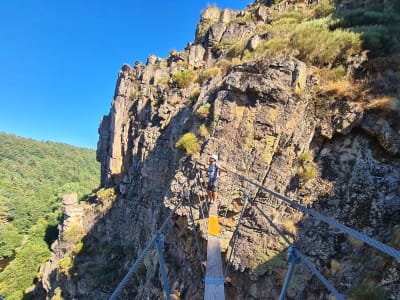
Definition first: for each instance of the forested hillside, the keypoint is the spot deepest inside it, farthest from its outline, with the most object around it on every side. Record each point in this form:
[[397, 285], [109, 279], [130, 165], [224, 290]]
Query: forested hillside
[[33, 177]]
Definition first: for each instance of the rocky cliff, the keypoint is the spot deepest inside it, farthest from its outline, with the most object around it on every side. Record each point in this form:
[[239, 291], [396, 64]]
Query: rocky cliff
[[267, 119]]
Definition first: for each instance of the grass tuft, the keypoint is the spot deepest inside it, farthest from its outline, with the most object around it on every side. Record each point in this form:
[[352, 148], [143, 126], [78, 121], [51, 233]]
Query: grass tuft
[[189, 143]]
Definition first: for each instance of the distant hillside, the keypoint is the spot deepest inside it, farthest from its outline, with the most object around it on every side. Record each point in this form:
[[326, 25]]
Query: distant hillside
[[33, 177]]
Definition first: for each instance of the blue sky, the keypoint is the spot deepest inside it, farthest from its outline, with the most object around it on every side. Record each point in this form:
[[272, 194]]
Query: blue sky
[[59, 59]]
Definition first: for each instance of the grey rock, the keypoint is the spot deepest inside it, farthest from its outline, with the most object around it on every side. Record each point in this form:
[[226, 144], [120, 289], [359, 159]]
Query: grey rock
[[253, 42], [387, 137], [196, 55]]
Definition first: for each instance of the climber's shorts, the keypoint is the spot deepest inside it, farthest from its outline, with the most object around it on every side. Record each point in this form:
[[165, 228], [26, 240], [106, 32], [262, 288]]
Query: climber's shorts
[[212, 186]]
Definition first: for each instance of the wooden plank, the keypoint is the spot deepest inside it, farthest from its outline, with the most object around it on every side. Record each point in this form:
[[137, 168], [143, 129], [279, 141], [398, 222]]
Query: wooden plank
[[214, 281], [214, 261]]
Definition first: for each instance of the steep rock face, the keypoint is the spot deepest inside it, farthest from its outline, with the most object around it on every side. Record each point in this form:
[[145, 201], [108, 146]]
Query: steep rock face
[[265, 122]]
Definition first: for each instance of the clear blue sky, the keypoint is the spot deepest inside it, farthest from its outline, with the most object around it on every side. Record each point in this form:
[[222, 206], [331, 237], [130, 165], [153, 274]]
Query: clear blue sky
[[59, 59]]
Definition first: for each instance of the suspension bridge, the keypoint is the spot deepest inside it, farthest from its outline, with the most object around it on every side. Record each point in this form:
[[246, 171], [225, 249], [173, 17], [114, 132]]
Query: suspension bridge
[[214, 276]]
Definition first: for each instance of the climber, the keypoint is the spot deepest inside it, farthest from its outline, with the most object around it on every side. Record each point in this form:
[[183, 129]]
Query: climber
[[213, 173]]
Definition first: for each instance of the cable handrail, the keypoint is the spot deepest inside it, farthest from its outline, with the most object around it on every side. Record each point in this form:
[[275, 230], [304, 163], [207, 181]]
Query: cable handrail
[[372, 242], [148, 247]]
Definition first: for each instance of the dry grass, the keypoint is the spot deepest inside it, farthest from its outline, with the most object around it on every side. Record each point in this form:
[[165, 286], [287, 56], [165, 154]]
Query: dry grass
[[57, 294], [204, 111], [337, 87], [184, 78], [65, 264], [189, 143], [356, 243], [345, 89], [385, 103], [203, 131], [290, 227], [73, 234], [209, 73], [237, 48], [336, 266], [305, 157], [106, 194], [307, 172]]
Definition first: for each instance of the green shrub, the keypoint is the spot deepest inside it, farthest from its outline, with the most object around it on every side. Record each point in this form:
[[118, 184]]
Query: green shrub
[[184, 78], [287, 20], [163, 81], [65, 264], [367, 292], [19, 274], [9, 240], [307, 172], [73, 234], [189, 143], [202, 29], [332, 48], [209, 73], [339, 72], [194, 95], [136, 95], [237, 48], [324, 9], [203, 130], [204, 111], [305, 157], [376, 38], [141, 271], [360, 17], [271, 47], [106, 194]]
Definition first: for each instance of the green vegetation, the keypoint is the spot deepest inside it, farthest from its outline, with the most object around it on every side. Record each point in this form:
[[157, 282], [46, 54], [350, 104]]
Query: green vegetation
[[341, 36], [307, 172], [307, 169], [333, 47], [203, 130], [33, 177], [236, 48], [189, 143], [106, 194], [204, 111], [209, 73], [378, 29], [367, 292], [141, 271], [194, 95], [294, 36], [305, 157], [184, 78]]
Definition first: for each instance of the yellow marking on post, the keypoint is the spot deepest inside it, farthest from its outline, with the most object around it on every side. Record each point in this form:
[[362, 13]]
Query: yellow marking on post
[[213, 226]]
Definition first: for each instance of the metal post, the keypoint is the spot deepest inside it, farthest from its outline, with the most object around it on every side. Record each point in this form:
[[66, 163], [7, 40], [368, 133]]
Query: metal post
[[294, 259], [159, 242]]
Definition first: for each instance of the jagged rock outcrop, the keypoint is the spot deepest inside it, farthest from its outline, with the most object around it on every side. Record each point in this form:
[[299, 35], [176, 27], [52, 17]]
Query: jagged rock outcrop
[[265, 121], [70, 231]]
